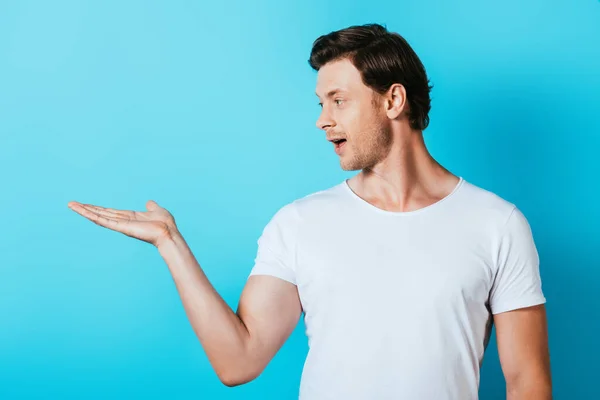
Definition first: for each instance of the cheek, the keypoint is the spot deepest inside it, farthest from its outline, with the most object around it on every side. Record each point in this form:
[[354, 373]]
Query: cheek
[[358, 130], [351, 125]]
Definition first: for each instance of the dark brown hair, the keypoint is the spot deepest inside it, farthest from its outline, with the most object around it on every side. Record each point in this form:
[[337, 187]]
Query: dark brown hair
[[382, 58]]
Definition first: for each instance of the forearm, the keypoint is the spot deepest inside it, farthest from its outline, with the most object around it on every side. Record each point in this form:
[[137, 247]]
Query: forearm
[[221, 332]]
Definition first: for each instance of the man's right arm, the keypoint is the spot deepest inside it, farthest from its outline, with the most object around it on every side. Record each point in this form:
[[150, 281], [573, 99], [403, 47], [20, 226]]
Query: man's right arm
[[239, 344]]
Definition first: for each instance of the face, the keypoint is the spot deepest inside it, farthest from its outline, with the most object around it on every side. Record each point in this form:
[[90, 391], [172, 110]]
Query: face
[[348, 110]]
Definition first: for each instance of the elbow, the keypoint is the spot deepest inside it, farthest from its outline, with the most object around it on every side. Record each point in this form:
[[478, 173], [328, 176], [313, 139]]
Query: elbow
[[232, 381], [238, 369], [234, 378], [539, 387]]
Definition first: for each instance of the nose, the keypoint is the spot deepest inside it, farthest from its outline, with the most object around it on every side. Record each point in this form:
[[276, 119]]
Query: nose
[[324, 121]]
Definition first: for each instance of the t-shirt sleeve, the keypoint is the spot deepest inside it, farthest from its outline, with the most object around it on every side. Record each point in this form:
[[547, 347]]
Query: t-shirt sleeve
[[276, 246], [517, 282]]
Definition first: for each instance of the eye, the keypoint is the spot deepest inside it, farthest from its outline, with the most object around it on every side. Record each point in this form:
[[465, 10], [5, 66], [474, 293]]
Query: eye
[[321, 105], [337, 101]]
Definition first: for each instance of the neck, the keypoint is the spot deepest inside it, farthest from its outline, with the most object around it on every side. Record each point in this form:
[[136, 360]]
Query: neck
[[408, 178]]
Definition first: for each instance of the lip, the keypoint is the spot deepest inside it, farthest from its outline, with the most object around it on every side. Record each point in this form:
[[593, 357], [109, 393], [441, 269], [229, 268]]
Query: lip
[[339, 148]]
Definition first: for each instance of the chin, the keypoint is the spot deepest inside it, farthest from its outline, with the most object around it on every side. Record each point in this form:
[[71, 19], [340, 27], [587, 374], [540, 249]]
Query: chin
[[349, 166]]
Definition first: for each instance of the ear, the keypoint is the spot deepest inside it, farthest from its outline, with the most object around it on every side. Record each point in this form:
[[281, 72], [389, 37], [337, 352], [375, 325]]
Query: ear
[[395, 101]]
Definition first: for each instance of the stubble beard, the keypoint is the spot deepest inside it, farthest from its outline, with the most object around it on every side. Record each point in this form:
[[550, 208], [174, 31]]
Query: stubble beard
[[368, 148]]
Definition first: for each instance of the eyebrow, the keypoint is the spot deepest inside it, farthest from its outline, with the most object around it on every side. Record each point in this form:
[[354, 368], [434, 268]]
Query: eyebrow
[[332, 92]]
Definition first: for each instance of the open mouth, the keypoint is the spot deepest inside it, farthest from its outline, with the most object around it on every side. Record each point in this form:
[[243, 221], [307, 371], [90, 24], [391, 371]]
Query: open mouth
[[339, 145]]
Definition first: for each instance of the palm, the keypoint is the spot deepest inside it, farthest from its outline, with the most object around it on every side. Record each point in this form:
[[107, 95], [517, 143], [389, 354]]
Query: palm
[[151, 226]]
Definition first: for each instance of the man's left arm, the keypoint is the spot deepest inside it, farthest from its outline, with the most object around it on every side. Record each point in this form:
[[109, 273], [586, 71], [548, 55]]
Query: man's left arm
[[522, 338]]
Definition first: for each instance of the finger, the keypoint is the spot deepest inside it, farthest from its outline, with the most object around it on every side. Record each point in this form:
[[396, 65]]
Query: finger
[[107, 212], [110, 211], [105, 221]]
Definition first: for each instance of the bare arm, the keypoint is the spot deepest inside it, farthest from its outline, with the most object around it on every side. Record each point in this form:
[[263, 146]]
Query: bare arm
[[238, 345], [522, 339]]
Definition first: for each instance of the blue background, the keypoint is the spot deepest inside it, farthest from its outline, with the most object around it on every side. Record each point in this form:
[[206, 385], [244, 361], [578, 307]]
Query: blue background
[[209, 109]]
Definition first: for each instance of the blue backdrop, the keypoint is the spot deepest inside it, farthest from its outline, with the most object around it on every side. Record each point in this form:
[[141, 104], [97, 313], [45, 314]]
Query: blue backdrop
[[209, 109]]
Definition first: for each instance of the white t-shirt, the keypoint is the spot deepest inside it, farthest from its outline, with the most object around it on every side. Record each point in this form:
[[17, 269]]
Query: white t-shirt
[[399, 305]]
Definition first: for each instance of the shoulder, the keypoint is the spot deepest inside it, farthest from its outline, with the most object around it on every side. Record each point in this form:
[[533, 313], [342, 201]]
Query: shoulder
[[486, 206], [294, 213], [313, 205]]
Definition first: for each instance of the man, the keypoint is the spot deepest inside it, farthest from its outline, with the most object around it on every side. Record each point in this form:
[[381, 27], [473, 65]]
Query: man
[[400, 271]]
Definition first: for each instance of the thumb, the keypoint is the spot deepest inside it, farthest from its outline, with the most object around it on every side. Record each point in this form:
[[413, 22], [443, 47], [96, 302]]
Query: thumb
[[151, 205]]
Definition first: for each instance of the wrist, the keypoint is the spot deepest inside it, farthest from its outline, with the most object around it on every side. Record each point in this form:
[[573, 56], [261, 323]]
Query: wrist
[[171, 238]]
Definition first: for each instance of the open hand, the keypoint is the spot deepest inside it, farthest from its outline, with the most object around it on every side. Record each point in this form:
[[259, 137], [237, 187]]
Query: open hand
[[153, 226]]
